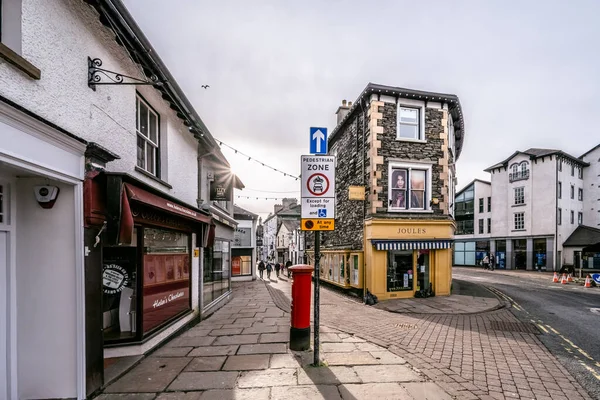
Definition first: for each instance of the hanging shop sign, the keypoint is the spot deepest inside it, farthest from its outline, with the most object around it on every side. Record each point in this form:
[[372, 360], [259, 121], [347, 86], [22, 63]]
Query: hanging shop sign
[[220, 189]]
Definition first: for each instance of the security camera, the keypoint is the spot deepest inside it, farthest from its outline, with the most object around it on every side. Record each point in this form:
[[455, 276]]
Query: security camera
[[46, 195]]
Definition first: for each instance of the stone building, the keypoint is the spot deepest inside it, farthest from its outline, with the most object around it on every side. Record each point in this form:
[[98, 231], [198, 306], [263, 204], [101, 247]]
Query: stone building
[[289, 210], [401, 146]]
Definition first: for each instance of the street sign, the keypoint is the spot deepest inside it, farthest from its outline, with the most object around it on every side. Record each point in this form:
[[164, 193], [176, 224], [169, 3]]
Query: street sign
[[318, 140], [318, 208], [318, 177], [317, 224], [596, 277], [356, 193]]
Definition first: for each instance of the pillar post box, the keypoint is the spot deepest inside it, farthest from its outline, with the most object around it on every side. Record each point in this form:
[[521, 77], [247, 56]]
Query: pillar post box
[[300, 307]]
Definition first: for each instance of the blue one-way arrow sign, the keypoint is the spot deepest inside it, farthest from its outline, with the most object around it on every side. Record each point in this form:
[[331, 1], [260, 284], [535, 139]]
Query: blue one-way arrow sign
[[318, 140]]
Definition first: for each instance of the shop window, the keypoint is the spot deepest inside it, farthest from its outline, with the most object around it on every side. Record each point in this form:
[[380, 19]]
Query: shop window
[[166, 280], [119, 291], [354, 262], [400, 271], [148, 137], [241, 262], [216, 271], [410, 187]]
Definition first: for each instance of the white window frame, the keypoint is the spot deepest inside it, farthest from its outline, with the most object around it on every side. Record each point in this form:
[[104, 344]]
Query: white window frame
[[573, 192], [579, 218], [521, 197], [572, 217], [451, 139], [414, 104], [559, 217], [10, 24], [522, 221], [580, 194], [559, 190], [155, 146], [428, 178]]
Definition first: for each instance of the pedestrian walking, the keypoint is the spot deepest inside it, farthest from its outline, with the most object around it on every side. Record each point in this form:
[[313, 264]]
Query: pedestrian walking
[[269, 269], [486, 262], [288, 264], [277, 269], [261, 269], [492, 261]]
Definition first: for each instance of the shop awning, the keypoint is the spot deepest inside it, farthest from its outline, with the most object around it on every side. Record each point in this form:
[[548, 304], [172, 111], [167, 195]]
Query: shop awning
[[411, 244]]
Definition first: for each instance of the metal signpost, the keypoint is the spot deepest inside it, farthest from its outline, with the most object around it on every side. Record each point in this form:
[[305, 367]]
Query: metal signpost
[[318, 206]]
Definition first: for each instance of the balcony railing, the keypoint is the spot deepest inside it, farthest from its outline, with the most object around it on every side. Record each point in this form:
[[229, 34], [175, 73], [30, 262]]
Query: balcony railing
[[518, 176]]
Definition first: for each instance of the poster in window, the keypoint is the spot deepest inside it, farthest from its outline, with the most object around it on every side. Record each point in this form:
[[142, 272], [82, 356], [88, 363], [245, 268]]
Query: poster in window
[[399, 179], [417, 186]]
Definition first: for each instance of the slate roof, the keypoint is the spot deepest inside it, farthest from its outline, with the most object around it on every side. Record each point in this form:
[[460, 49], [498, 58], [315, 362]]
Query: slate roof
[[237, 210], [534, 153], [589, 151], [583, 236]]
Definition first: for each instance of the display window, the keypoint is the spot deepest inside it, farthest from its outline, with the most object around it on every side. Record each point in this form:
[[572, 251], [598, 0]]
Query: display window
[[166, 283], [217, 267], [241, 262], [400, 271]]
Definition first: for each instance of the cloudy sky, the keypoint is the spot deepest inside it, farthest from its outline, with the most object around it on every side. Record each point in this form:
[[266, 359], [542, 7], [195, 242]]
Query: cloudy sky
[[527, 73]]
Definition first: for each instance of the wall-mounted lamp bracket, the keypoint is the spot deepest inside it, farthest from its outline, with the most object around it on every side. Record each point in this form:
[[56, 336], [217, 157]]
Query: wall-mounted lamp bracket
[[101, 76]]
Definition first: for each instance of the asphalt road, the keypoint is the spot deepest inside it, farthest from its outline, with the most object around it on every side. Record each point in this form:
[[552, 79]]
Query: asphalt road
[[567, 315]]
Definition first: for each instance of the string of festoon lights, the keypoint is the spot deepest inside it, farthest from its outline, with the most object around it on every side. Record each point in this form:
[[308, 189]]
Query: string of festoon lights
[[260, 198], [250, 158]]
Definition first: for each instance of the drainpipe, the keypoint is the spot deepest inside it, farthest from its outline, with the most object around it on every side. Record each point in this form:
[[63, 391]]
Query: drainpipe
[[364, 202]]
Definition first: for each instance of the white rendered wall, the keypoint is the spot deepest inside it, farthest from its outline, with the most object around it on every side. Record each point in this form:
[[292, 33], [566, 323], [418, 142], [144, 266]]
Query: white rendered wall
[[46, 294], [482, 191], [591, 189], [567, 205], [57, 37], [500, 203], [542, 216]]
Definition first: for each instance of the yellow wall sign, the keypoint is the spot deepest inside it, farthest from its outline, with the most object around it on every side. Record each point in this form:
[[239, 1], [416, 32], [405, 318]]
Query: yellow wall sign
[[356, 193], [318, 224], [196, 253]]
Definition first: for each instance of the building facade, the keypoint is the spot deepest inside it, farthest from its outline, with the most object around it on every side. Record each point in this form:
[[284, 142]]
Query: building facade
[[473, 215], [244, 251], [542, 212], [401, 146], [273, 251], [109, 234]]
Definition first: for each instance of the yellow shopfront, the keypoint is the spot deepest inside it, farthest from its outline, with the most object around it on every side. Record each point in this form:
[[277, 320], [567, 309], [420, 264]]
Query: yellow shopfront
[[404, 256]]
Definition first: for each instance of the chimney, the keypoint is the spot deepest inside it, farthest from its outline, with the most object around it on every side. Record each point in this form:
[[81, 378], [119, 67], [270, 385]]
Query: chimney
[[287, 202], [342, 111]]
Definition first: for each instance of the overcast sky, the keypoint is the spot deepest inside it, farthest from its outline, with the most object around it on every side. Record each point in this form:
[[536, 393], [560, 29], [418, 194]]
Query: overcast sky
[[527, 73]]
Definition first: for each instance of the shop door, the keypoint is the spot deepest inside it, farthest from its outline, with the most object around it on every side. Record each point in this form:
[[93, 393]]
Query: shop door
[[4, 312]]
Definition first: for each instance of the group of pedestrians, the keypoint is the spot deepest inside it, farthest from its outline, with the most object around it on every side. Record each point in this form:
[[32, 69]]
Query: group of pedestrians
[[488, 262], [269, 267]]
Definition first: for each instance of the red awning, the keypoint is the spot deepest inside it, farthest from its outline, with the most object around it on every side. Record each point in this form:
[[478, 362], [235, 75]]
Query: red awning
[[142, 196], [133, 193]]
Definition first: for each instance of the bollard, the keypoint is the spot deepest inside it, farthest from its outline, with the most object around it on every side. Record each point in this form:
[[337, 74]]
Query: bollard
[[300, 307]]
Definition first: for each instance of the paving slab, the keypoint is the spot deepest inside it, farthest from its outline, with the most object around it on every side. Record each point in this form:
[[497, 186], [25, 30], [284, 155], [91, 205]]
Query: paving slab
[[284, 361], [386, 373], [129, 396], [235, 339], [247, 362], [151, 375], [203, 381], [274, 338], [349, 359], [327, 375], [263, 348], [380, 391], [386, 357], [171, 352], [191, 341], [370, 347], [196, 332], [338, 347], [426, 391], [226, 332], [205, 364], [312, 392], [180, 396], [237, 394], [213, 351], [277, 377], [261, 329]]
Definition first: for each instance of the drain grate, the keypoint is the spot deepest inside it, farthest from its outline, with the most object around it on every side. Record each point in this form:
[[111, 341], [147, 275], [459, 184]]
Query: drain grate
[[525, 327], [407, 326]]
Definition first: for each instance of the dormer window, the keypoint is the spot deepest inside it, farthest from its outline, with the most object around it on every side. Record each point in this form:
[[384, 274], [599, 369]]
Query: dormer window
[[520, 171]]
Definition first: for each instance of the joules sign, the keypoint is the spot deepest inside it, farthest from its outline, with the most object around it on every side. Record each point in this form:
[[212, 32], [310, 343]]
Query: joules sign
[[412, 231], [167, 299]]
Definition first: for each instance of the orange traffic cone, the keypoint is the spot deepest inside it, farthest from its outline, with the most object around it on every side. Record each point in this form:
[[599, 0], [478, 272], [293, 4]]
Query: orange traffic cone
[[563, 280], [569, 278], [588, 281], [555, 278]]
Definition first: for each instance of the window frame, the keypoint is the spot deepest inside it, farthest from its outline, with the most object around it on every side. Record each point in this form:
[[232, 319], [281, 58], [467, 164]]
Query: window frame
[[522, 197], [409, 167], [580, 194], [572, 217], [559, 216], [580, 172], [481, 205], [559, 189], [516, 220], [572, 170], [579, 218], [147, 140], [573, 192], [415, 105], [489, 201], [489, 226], [481, 228]]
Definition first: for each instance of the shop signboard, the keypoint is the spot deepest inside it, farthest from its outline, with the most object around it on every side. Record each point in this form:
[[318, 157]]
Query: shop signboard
[[220, 188]]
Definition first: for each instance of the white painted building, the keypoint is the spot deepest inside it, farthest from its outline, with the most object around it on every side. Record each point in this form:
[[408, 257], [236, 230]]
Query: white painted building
[[288, 210], [136, 170], [473, 215], [591, 179], [243, 265]]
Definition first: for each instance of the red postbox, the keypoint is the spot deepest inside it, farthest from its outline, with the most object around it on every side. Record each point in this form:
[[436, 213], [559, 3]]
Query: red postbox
[[300, 312]]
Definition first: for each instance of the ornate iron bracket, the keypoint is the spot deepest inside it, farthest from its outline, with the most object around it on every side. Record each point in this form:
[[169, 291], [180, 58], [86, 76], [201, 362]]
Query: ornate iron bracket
[[101, 76]]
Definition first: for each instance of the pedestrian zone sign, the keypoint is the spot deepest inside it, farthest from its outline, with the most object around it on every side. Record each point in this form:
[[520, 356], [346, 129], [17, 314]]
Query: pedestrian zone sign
[[318, 192]]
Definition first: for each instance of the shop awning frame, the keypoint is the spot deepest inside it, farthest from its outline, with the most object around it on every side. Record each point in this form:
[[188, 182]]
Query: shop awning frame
[[411, 244]]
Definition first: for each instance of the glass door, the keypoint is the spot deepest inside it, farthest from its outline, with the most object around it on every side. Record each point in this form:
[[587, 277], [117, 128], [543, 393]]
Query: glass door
[[423, 270]]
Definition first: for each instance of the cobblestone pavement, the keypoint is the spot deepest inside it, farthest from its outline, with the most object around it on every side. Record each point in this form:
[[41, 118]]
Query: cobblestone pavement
[[485, 356], [241, 352]]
